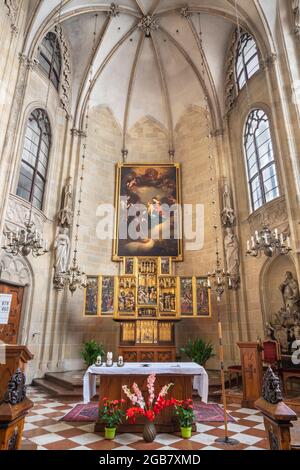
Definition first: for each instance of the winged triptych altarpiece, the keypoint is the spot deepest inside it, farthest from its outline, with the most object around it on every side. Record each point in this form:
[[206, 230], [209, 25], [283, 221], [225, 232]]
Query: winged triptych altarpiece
[[147, 299]]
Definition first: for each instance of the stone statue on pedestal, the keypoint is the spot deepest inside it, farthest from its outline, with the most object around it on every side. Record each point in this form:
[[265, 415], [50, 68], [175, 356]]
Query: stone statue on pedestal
[[62, 250], [62, 244], [227, 215], [286, 323], [231, 246], [290, 294], [65, 215]]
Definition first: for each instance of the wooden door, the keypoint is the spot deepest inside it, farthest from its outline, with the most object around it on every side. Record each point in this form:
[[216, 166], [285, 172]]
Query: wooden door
[[9, 333]]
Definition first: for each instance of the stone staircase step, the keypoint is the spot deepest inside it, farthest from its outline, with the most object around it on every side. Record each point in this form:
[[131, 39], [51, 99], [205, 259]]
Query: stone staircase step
[[65, 380], [56, 390]]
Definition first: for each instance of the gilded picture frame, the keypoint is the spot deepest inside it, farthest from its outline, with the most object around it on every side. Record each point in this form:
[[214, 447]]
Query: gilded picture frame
[[187, 297], [107, 296], [92, 297], [202, 298], [155, 187]]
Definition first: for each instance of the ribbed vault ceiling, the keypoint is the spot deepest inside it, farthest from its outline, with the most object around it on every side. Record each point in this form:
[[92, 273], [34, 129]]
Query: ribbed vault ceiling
[[137, 76]]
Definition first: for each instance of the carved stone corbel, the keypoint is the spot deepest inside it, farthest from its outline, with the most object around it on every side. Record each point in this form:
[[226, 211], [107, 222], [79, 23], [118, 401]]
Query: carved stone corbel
[[28, 63], [77, 132], [268, 61]]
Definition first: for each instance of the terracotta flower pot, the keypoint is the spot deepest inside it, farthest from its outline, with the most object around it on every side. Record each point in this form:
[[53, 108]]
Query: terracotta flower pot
[[186, 433], [149, 433], [110, 433]]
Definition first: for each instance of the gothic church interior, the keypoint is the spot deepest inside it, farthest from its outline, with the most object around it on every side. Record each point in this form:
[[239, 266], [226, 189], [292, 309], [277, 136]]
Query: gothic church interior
[[177, 123]]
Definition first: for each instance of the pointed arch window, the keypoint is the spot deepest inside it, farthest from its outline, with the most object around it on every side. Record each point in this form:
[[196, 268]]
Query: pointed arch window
[[261, 166], [247, 59], [35, 155], [49, 57]]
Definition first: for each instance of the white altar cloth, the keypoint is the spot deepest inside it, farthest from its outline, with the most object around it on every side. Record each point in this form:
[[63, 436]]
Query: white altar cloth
[[183, 368]]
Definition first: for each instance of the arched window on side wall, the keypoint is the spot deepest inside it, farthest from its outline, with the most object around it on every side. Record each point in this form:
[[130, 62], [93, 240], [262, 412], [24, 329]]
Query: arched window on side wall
[[261, 166], [35, 155], [247, 59], [49, 57]]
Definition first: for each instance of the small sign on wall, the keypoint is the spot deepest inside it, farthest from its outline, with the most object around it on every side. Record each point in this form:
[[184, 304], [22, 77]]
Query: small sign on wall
[[5, 304]]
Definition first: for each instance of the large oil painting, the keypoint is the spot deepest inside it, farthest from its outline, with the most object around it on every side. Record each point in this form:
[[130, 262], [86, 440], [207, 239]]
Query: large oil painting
[[148, 220]]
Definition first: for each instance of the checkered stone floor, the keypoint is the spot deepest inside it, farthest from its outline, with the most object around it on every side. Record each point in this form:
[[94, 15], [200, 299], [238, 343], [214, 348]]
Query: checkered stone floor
[[44, 428]]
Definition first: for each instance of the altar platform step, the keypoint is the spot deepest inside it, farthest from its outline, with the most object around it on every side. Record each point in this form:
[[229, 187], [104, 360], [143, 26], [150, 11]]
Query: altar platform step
[[67, 385]]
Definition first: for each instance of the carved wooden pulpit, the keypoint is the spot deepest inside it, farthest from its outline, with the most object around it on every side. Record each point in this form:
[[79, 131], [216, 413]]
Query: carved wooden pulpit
[[14, 405], [252, 371]]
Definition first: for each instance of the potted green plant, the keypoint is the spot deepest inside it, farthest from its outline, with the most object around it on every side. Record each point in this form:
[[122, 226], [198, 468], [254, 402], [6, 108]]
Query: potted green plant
[[184, 410], [91, 351], [111, 415], [198, 351]]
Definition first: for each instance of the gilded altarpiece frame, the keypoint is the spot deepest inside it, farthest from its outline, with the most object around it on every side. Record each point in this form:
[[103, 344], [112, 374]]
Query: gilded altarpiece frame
[[154, 187]]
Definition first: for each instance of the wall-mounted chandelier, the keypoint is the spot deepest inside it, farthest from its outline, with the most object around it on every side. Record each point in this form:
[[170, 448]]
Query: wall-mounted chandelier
[[219, 279], [25, 241], [74, 278], [268, 243]]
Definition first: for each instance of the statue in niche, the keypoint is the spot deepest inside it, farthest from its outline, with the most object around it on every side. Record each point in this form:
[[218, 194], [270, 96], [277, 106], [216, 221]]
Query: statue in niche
[[296, 10], [286, 323], [65, 215], [62, 250], [231, 246], [290, 294], [227, 215]]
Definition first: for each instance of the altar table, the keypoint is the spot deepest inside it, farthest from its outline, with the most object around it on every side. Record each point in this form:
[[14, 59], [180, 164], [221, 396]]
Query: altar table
[[184, 376]]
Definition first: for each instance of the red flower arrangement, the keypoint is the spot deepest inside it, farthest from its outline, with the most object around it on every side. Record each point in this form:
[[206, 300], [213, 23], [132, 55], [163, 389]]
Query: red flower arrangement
[[151, 408], [111, 414], [184, 410]]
